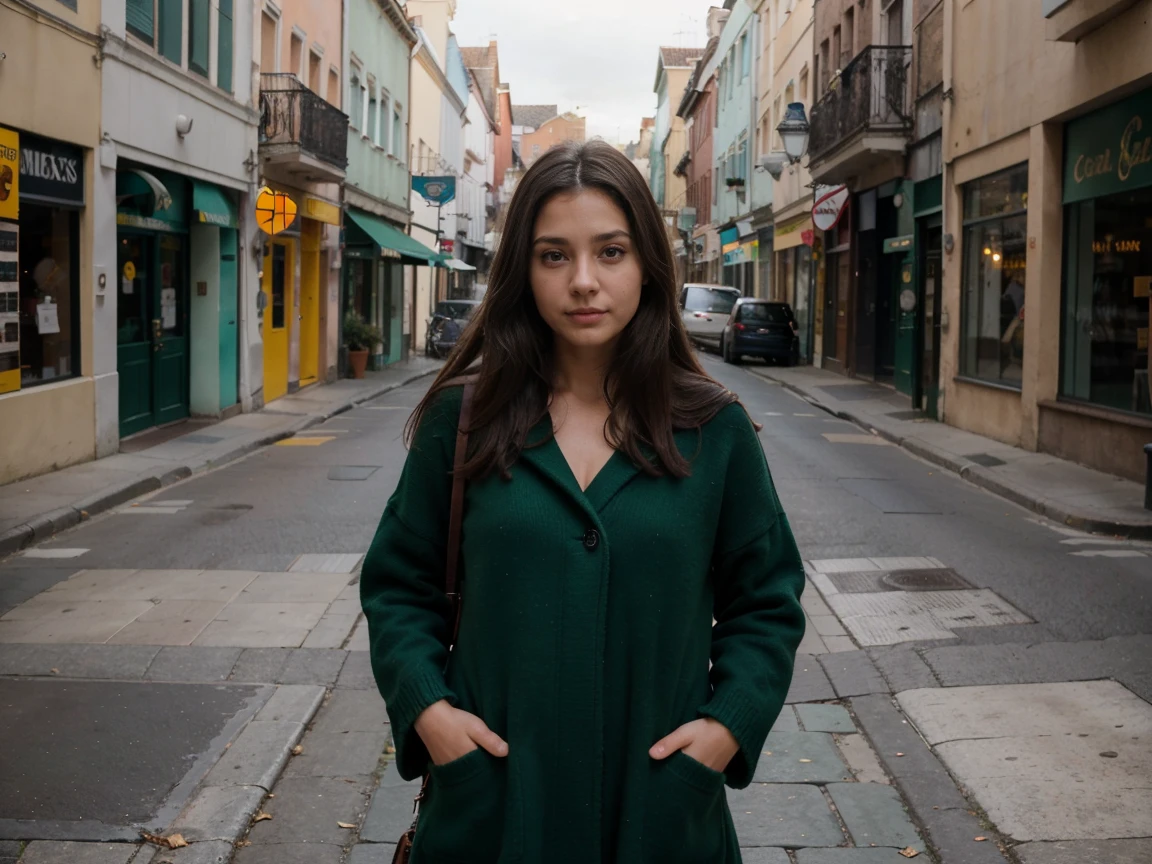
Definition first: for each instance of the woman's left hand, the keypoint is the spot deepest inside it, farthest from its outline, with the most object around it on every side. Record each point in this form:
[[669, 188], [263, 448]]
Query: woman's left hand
[[706, 740]]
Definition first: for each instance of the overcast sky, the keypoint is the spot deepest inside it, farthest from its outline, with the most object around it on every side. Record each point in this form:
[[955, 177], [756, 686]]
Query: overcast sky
[[596, 57]]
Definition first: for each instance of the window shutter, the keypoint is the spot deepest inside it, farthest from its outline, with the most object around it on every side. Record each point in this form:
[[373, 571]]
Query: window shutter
[[224, 48], [171, 29], [198, 23], [140, 19]]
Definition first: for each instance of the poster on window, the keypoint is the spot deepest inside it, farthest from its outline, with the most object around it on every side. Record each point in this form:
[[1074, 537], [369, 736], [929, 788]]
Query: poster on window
[[47, 321], [9, 308], [168, 308]]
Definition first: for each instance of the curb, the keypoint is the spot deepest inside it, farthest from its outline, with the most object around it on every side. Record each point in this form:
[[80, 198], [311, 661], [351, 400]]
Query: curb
[[980, 476], [221, 811], [39, 528]]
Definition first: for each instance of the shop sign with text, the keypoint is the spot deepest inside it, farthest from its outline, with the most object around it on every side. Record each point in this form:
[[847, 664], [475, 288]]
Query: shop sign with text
[[1109, 150], [51, 171], [829, 206]]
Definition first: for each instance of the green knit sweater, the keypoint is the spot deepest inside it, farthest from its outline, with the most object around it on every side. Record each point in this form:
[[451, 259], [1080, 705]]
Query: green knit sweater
[[586, 636]]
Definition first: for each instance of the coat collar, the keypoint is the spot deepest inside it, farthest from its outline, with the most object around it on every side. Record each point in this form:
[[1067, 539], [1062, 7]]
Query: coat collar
[[544, 454]]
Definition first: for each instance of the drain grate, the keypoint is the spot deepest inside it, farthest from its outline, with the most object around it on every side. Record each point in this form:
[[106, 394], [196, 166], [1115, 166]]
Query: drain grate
[[878, 581], [986, 460]]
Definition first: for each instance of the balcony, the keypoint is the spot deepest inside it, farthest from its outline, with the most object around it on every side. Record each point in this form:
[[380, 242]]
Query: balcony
[[303, 139], [1072, 20], [865, 120]]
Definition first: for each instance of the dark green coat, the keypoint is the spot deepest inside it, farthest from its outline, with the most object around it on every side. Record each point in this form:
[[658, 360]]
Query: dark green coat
[[586, 637]]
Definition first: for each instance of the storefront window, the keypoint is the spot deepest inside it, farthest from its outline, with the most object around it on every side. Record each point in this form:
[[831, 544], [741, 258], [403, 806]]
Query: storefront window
[[1106, 301], [995, 244], [49, 294]]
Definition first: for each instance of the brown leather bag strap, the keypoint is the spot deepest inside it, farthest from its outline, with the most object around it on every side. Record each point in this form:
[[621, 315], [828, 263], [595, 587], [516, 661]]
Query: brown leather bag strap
[[456, 514]]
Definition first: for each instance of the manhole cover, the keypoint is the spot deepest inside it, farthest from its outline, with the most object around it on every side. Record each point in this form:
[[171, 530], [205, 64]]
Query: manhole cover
[[859, 582], [936, 579]]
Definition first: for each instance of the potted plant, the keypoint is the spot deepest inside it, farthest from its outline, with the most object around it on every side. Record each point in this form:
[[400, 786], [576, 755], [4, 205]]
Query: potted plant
[[735, 182], [360, 337]]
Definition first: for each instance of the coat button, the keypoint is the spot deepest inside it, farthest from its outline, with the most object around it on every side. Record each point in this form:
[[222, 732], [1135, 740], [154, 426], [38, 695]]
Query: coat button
[[591, 539]]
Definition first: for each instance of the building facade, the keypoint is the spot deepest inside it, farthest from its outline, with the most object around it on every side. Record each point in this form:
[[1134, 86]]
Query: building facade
[[785, 77], [862, 129], [733, 147], [377, 187], [477, 188], [1047, 196], [550, 132], [673, 68], [699, 257], [57, 363], [303, 153]]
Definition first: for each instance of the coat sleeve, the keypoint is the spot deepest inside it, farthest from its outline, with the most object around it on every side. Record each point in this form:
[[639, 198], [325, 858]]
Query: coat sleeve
[[758, 578], [402, 584]]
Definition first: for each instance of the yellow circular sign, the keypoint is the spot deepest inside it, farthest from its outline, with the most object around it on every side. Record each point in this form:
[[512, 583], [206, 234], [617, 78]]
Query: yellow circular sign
[[129, 270], [275, 211]]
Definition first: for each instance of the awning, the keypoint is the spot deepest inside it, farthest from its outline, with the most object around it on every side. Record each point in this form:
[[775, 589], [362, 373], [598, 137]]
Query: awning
[[212, 206], [392, 241], [456, 264]]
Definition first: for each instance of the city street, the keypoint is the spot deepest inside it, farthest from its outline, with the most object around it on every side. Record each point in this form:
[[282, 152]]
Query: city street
[[972, 687]]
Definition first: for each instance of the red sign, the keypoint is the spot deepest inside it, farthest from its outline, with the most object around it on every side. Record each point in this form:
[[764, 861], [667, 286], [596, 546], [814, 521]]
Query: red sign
[[829, 207], [808, 237], [447, 245]]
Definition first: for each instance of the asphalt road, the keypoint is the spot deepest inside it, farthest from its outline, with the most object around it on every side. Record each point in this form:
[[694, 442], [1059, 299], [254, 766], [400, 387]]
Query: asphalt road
[[844, 500]]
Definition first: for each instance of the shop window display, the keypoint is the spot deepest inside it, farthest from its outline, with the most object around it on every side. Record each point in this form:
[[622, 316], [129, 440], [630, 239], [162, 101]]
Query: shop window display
[[49, 294], [994, 276], [1108, 289]]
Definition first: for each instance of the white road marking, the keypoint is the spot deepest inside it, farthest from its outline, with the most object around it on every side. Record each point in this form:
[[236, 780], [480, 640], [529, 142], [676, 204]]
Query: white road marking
[[54, 553], [773, 414], [803, 415]]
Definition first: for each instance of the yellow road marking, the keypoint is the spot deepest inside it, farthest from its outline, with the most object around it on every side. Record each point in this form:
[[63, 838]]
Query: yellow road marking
[[307, 441]]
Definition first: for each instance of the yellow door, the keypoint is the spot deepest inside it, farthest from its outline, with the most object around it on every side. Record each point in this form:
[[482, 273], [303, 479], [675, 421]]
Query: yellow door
[[277, 288], [310, 281]]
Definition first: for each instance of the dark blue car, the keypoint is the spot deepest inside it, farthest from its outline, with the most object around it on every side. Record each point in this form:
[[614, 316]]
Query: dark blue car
[[760, 328]]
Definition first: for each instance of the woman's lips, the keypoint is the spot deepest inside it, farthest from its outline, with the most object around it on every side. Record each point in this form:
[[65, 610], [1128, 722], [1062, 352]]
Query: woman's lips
[[586, 316]]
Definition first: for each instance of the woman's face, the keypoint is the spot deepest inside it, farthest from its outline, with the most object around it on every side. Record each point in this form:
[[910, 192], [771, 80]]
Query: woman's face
[[586, 275]]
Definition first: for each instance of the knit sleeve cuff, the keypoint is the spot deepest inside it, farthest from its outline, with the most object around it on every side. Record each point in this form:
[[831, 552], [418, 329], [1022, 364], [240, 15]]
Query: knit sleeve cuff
[[414, 695], [745, 717]]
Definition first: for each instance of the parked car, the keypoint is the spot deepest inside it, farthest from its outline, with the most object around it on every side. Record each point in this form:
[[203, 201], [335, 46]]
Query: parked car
[[760, 328], [704, 310], [446, 324]]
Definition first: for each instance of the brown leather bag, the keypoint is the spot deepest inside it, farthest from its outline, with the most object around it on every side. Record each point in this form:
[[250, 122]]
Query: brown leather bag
[[451, 585]]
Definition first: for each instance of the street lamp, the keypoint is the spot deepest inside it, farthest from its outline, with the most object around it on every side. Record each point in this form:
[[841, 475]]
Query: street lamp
[[793, 131]]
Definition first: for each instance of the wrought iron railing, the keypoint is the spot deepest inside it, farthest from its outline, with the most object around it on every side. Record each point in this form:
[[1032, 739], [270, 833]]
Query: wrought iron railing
[[870, 94], [290, 113]]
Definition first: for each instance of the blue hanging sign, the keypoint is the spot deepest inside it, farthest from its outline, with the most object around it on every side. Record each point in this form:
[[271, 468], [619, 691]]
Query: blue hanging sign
[[435, 190]]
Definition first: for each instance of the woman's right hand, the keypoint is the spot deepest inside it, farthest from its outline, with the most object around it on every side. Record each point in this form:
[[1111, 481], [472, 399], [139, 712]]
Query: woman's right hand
[[450, 733]]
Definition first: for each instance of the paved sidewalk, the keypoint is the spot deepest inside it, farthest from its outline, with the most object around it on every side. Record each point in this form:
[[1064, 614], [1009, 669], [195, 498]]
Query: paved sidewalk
[[33, 509], [1063, 491]]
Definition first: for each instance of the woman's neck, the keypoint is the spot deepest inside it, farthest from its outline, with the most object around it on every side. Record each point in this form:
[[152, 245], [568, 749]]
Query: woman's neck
[[580, 370]]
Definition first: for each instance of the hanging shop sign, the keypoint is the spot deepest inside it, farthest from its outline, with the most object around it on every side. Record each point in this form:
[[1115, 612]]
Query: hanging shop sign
[[275, 211], [321, 211], [742, 254], [435, 190], [448, 246], [9, 174], [1109, 150], [829, 207], [51, 171]]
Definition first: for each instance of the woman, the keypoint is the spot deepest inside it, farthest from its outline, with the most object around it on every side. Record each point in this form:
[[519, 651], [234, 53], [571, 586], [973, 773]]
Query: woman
[[617, 500]]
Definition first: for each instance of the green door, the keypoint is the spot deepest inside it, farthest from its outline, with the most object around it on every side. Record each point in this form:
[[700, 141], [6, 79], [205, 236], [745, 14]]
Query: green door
[[228, 316], [905, 311], [151, 336]]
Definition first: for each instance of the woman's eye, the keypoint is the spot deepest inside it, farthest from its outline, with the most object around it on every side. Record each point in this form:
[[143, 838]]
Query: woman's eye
[[553, 257], [614, 252]]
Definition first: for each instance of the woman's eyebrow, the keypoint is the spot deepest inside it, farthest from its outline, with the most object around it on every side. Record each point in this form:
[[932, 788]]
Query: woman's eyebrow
[[599, 238]]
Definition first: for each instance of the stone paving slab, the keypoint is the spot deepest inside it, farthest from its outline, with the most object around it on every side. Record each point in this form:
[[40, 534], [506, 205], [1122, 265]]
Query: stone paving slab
[[339, 754], [764, 855], [206, 852], [874, 815], [290, 853], [174, 663], [770, 814], [313, 666], [1086, 852], [852, 673], [390, 814], [373, 853], [296, 703], [72, 852], [260, 664], [903, 668], [800, 757], [352, 711], [825, 718], [306, 810], [357, 672], [809, 683], [124, 662], [218, 813], [258, 756], [786, 722], [952, 835], [852, 856]]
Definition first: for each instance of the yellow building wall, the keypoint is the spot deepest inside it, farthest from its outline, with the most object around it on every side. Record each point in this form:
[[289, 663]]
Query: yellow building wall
[[47, 428]]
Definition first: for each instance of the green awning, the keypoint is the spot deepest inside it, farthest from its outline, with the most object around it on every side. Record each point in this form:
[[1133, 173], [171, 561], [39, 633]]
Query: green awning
[[390, 240], [212, 205]]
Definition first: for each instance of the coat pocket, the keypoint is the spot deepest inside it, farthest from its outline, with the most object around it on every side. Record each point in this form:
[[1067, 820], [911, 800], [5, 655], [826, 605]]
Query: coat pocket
[[463, 819], [684, 823]]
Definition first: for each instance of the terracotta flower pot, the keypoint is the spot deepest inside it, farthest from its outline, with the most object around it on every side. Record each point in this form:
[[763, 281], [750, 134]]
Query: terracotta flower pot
[[358, 360]]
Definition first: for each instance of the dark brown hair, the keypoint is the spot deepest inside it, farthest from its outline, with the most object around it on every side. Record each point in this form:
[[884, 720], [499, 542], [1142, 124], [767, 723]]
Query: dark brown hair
[[654, 383]]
